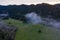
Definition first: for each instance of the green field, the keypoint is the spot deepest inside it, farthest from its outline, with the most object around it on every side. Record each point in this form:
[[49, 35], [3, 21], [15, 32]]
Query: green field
[[30, 32]]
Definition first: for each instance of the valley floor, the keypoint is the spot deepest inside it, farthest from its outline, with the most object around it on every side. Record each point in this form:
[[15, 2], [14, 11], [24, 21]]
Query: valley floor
[[30, 32]]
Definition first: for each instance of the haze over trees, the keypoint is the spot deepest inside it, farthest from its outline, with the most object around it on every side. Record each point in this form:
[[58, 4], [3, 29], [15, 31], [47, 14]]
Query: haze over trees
[[44, 10]]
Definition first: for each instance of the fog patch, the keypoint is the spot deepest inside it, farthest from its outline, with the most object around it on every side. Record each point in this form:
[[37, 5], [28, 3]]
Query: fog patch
[[51, 22], [36, 19], [33, 18]]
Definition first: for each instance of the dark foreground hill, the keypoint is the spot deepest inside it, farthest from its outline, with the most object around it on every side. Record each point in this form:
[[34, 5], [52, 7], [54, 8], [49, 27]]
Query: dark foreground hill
[[7, 32]]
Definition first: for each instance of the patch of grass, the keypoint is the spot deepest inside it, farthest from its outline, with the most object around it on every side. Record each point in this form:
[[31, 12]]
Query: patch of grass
[[30, 32]]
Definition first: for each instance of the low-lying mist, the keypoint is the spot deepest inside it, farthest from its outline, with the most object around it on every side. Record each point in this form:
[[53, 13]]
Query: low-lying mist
[[34, 18]]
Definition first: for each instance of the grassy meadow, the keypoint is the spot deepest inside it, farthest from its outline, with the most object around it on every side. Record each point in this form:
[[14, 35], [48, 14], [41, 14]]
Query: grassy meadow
[[31, 32]]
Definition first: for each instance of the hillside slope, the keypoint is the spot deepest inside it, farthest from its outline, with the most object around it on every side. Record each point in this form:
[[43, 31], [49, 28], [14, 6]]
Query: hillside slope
[[31, 32]]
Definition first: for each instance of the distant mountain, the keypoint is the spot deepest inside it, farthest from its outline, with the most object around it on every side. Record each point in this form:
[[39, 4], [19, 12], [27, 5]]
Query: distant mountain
[[44, 9]]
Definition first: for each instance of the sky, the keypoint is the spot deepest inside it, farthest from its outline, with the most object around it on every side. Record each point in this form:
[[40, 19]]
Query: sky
[[18, 2]]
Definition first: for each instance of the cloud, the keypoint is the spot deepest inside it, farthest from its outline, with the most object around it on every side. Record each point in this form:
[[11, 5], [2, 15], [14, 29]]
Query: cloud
[[5, 2]]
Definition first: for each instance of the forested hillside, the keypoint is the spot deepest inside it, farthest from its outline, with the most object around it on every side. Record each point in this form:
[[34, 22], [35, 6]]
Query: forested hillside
[[44, 9]]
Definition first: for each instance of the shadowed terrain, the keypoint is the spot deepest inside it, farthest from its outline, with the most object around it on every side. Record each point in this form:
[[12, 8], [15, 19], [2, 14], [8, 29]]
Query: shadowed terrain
[[7, 32]]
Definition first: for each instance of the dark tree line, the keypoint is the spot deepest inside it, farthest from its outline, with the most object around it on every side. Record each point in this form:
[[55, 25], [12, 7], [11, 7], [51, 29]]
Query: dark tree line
[[44, 9]]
